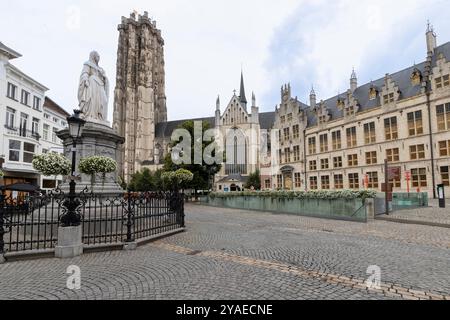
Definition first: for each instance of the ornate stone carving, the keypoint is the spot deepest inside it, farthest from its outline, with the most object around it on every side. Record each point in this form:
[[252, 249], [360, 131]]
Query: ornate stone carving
[[373, 92], [322, 113], [349, 106], [416, 77], [390, 92]]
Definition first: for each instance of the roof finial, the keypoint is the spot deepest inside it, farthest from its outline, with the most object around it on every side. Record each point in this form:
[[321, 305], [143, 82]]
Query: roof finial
[[353, 73]]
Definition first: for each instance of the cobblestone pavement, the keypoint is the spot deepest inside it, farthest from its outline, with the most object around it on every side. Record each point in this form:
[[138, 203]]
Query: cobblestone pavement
[[232, 254], [432, 214]]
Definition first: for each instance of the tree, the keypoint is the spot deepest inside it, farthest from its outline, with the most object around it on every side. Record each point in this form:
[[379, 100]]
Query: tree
[[146, 180], [204, 173], [176, 180], [254, 180]]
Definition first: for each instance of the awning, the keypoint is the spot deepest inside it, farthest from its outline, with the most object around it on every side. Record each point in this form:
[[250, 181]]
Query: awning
[[21, 187]]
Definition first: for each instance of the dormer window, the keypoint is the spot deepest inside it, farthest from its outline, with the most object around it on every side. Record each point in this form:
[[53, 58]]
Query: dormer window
[[322, 113], [388, 98], [350, 110], [441, 72], [373, 93], [390, 92], [416, 77], [349, 106]]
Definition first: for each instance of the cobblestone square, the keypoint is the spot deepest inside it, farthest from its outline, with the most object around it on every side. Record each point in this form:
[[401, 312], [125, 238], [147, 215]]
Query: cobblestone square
[[233, 254]]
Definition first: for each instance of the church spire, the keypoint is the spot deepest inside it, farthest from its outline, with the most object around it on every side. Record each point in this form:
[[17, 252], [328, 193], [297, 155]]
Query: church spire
[[242, 92]]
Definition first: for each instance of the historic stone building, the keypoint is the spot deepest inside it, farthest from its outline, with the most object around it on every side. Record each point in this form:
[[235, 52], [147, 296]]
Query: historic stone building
[[139, 98], [343, 141], [334, 143]]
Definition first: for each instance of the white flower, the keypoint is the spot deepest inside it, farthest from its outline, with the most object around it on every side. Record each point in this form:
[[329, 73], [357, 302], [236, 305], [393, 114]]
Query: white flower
[[52, 164], [97, 164]]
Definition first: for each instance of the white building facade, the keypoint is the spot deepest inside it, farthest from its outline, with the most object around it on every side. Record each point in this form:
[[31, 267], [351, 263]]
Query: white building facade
[[26, 123]]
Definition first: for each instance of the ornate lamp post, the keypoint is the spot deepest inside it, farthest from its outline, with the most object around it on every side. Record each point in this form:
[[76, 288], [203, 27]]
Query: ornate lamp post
[[71, 218]]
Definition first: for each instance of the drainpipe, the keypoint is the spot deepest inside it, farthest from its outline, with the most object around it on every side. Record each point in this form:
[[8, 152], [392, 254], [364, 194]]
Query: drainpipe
[[433, 171], [304, 159], [428, 94]]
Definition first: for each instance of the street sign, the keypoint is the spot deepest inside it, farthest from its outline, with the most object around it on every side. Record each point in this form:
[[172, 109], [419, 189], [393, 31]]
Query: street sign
[[408, 175], [408, 179], [395, 173]]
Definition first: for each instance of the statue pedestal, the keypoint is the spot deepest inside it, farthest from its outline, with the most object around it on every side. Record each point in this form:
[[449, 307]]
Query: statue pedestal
[[97, 140], [70, 243]]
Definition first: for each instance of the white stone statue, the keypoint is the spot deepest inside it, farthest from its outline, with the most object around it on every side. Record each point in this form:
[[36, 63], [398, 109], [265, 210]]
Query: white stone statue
[[93, 91]]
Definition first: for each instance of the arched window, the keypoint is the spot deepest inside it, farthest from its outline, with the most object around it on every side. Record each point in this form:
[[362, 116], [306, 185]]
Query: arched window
[[236, 150]]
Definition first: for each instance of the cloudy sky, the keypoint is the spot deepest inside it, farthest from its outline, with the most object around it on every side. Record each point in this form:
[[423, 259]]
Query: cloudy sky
[[304, 42]]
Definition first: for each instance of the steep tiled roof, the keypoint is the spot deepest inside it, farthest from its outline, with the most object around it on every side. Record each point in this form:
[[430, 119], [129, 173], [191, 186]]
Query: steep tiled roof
[[165, 129], [402, 79]]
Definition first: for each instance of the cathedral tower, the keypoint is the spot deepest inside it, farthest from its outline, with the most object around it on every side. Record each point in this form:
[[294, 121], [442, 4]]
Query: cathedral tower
[[139, 98]]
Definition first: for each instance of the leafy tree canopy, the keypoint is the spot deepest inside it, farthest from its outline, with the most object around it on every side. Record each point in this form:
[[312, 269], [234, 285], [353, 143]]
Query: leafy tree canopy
[[202, 173]]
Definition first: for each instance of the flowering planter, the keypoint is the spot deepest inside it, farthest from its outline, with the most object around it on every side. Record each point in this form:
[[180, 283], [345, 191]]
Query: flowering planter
[[353, 209]]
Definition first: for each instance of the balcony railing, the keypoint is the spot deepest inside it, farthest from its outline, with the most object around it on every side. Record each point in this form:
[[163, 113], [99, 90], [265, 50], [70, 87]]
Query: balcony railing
[[20, 132]]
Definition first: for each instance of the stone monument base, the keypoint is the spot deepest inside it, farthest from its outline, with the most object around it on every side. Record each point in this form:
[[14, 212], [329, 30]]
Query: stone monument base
[[97, 140], [70, 242]]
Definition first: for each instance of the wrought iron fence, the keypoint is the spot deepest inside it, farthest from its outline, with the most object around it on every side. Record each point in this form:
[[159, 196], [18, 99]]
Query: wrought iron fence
[[130, 216], [28, 223], [32, 222]]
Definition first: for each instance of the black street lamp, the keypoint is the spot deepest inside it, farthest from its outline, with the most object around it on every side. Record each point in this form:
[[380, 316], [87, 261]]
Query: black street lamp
[[71, 218]]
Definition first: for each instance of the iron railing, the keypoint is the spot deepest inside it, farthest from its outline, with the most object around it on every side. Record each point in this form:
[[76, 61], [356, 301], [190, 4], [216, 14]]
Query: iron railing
[[32, 223], [23, 132]]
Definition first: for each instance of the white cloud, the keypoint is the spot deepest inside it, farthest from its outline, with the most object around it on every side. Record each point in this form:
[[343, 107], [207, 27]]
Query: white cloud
[[301, 41], [322, 40], [206, 43]]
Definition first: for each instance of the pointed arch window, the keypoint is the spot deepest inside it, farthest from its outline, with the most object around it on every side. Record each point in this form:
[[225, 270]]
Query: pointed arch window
[[236, 153]]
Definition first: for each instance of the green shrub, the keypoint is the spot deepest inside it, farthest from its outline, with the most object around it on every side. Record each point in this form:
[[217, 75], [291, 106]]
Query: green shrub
[[316, 194]]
